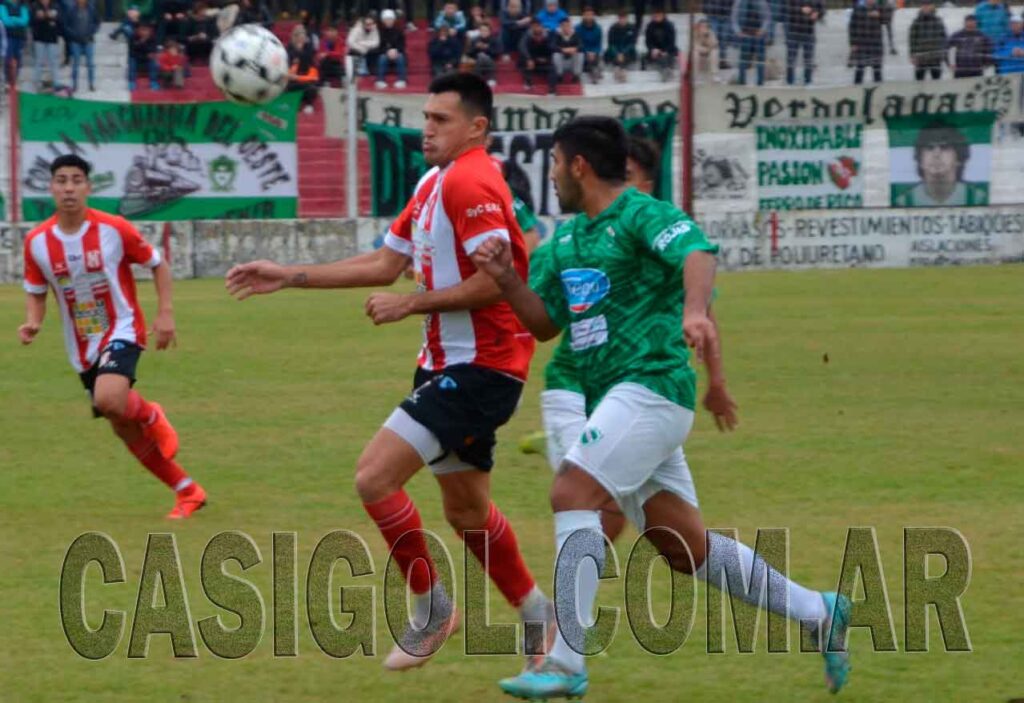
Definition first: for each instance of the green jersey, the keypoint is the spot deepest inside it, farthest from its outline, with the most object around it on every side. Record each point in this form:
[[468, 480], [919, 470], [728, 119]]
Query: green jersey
[[524, 215], [613, 283], [560, 373]]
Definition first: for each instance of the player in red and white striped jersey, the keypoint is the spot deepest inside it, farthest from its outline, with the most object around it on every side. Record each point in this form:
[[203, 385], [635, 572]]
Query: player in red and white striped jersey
[[471, 369], [85, 256]]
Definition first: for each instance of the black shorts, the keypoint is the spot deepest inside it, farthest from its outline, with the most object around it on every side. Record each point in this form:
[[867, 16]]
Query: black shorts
[[463, 406], [120, 358]]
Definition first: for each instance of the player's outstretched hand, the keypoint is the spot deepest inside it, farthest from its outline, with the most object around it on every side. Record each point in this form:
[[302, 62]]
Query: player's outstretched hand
[[255, 278], [722, 407], [388, 307], [493, 257], [163, 330], [27, 332], [700, 333]]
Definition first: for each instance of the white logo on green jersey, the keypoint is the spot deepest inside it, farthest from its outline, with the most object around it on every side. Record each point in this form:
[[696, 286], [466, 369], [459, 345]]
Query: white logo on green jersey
[[670, 234], [591, 332]]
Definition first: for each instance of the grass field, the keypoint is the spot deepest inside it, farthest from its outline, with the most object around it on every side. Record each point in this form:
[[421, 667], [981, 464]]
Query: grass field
[[915, 420]]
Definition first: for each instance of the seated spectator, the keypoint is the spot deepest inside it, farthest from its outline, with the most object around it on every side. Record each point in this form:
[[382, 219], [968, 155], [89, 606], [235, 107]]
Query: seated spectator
[[300, 47], [621, 52], [331, 57], [536, 54], [514, 25], [255, 12], [972, 50], [706, 49], [568, 56], [1010, 54], [445, 51], [46, 31], [866, 40], [589, 32], [302, 75], [142, 50], [129, 23], [660, 37], [364, 44], [170, 65], [478, 17], [202, 32], [485, 51], [551, 16], [927, 42], [452, 18], [15, 18], [80, 26], [392, 50], [173, 20]]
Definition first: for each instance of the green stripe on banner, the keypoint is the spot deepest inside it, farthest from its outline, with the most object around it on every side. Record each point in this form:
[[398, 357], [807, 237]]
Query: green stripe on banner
[[45, 118], [35, 209], [976, 127]]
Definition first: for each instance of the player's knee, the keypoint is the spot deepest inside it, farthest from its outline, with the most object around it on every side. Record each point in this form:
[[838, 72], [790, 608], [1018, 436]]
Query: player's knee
[[372, 483], [110, 406], [466, 517], [574, 489]]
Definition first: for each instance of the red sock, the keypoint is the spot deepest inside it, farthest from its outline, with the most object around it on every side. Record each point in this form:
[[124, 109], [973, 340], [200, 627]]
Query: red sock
[[138, 409], [167, 470], [504, 563], [395, 516]]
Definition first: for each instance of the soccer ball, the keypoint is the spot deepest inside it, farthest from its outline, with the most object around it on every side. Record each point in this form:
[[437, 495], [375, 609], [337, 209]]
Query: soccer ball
[[249, 65]]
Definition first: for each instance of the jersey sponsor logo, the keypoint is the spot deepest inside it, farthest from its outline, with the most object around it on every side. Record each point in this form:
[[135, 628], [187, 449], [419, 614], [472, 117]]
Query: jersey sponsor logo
[[585, 288], [591, 332], [92, 259], [670, 234], [447, 383], [482, 208]]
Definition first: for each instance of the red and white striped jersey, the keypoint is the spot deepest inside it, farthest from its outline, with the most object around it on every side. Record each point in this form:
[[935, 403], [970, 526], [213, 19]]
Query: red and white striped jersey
[[91, 277], [452, 212]]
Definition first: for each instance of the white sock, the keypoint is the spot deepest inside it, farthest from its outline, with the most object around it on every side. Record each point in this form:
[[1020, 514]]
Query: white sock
[[580, 551], [732, 560], [421, 604], [183, 484]]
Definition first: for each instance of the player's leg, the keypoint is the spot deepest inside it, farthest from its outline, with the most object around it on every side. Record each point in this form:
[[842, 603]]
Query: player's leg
[[132, 419], [669, 501]]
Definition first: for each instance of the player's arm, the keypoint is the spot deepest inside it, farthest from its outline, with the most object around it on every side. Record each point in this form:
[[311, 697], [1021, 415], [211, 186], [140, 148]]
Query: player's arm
[[477, 291], [377, 268], [35, 311], [163, 326], [494, 258], [698, 282], [717, 400]]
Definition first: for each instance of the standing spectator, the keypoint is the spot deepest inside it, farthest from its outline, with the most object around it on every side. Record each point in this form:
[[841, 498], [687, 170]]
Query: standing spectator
[[885, 7], [865, 32], [201, 33], [551, 16], [46, 30], [660, 37], [170, 65], [972, 50], [1010, 54], [927, 42], [750, 22], [568, 56], [621, 52], [331, 57], [364, 44], [485, 51], [392, 50], [80, 28], [142, 49], [445, 51], [706, 49], [719, 14], [536, 52], [129, 24], [255, 12], [15, 17], [173, 19], [590, 34], [514, 25], [993, 20], [801, 19], [452, 18]]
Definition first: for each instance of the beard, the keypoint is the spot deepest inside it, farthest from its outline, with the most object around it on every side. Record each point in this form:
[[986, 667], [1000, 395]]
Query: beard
[[569, 195]]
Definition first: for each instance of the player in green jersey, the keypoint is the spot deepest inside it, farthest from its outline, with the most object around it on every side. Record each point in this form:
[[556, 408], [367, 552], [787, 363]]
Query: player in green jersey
[[612, 278]]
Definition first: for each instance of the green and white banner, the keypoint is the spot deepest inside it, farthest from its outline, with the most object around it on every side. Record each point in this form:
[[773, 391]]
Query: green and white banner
[[165, 161], [810, 165], [396, 161], [940, 160]]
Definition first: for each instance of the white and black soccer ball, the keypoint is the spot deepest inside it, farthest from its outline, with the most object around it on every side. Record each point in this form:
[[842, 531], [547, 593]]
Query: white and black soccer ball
[[249, 65]]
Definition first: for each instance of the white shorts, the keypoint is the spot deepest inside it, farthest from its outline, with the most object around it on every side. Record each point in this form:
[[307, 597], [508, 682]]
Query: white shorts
[[564, 414], [632, 445]]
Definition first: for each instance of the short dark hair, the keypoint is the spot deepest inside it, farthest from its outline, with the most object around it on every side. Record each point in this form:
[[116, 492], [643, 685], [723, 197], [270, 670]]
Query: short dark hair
[[601, 141], [70, 160], [474, 93], [646, 154], [942, 134]]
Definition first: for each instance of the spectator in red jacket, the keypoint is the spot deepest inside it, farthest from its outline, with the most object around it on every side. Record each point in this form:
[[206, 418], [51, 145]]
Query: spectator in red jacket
[[331, 57], [171, 65]]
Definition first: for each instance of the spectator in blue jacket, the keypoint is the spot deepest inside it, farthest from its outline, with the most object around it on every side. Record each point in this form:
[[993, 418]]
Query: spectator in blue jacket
[[452, 18], [80, 26], [1010, 52], [993, 20], [551, 16], [589, 32], [14, 16]]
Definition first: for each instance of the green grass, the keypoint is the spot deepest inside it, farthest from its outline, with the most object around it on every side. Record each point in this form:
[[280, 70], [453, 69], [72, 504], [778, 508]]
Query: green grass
[[915, 420]]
